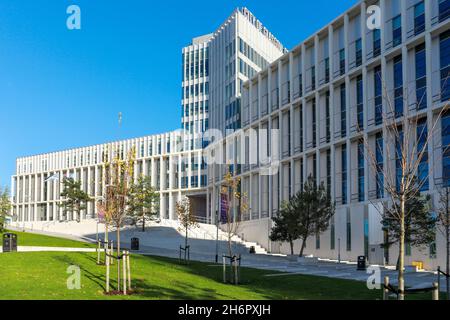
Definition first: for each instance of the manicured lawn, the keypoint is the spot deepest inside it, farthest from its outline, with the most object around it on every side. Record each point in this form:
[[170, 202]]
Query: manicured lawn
[[42, 275], [30, 239]]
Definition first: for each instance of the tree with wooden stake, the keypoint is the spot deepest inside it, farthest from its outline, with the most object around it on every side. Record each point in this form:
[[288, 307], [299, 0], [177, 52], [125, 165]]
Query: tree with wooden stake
[[406, 136], [285, 227], [74, 198], [5, 207], [234, 204], [119, 178], [187, 221], [443, 225], [143, 201]]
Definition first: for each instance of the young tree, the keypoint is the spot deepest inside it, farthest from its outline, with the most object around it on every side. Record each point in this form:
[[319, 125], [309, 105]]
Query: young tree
[[5, 207], [118, 177], [143, 201], [419, 223], [406, 136], [75, 199], [285, 227], [314, 209], [236, 205], [443, 225], [186, 217]]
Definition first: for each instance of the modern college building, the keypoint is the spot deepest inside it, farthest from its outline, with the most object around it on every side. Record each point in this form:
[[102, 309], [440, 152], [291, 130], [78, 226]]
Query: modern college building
[[323, 96]]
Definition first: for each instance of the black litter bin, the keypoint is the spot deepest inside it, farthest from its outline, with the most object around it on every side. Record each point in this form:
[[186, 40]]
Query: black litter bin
[[252, 250], [135, 244], [362, 263], [9, 242]]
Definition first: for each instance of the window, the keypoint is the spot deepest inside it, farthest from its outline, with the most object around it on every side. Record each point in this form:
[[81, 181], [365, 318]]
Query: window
[[329, 172], [419, 18], [344, 173], [366, 237], [313, 78], [349, 232], [359, 103], [445, 65], [343, 111], [379, 160], [399, 157], [421, 77], [376, 42], [314, 129], [422, 171], [332, 235], [378, 96], [397, 31], [342, 61], [361, 171], [398, 86], [317, 241], [445, 133], [444, 10], [327, 117], [358, 50], [327, 70]]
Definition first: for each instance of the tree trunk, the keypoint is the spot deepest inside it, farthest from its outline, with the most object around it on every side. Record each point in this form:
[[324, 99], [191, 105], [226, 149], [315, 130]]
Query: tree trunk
[[229, 245], [401, 254], [292, 247], [303, 246], [143, 223], [118, 254], [186, 239]]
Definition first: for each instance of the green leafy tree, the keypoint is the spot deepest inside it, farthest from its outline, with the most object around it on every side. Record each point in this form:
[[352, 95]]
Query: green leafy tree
[[285, 227], [419, 224], [74, 198], [5, 207], [314, 209], [443, 225], [143, 201]]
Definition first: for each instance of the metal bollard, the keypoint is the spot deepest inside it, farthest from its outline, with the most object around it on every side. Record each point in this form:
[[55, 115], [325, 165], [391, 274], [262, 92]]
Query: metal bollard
[[124, 272], [385, 289], [435, 294]]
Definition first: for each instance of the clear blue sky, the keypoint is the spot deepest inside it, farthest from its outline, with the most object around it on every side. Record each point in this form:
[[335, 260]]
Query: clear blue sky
[[61, 89]]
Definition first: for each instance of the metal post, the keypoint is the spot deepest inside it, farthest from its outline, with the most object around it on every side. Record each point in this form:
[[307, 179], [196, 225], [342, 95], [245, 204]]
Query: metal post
[[224, 270], [98, 251], [339, 250], [435, 291], [217, 237], [124, 271], [385, 289], [235, 261], [439, 277]]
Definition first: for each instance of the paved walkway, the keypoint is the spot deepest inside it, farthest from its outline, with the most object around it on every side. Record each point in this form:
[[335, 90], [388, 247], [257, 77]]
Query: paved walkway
[[204, 250]]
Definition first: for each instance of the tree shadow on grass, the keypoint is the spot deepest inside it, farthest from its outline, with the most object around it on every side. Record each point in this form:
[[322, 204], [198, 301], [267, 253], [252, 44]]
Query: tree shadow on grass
[[99, 280]]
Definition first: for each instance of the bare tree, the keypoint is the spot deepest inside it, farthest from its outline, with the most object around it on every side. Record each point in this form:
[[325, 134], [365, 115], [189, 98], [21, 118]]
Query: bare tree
[[118, 178], [406, 150], [186, 217]]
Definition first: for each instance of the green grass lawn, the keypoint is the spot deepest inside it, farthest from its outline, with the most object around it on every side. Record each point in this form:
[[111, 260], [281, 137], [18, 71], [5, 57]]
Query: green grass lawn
[[31, 239], [43, 275]]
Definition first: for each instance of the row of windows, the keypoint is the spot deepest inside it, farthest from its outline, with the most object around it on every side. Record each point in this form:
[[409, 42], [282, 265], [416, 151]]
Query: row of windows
[[195, 90], [251, 54], [195, 64]]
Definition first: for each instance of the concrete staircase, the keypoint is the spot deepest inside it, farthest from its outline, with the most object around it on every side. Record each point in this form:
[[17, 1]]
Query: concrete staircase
[[209, 232]]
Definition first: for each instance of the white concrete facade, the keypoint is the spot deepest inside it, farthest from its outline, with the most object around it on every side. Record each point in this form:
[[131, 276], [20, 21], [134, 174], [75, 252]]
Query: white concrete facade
[[311, 95]]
